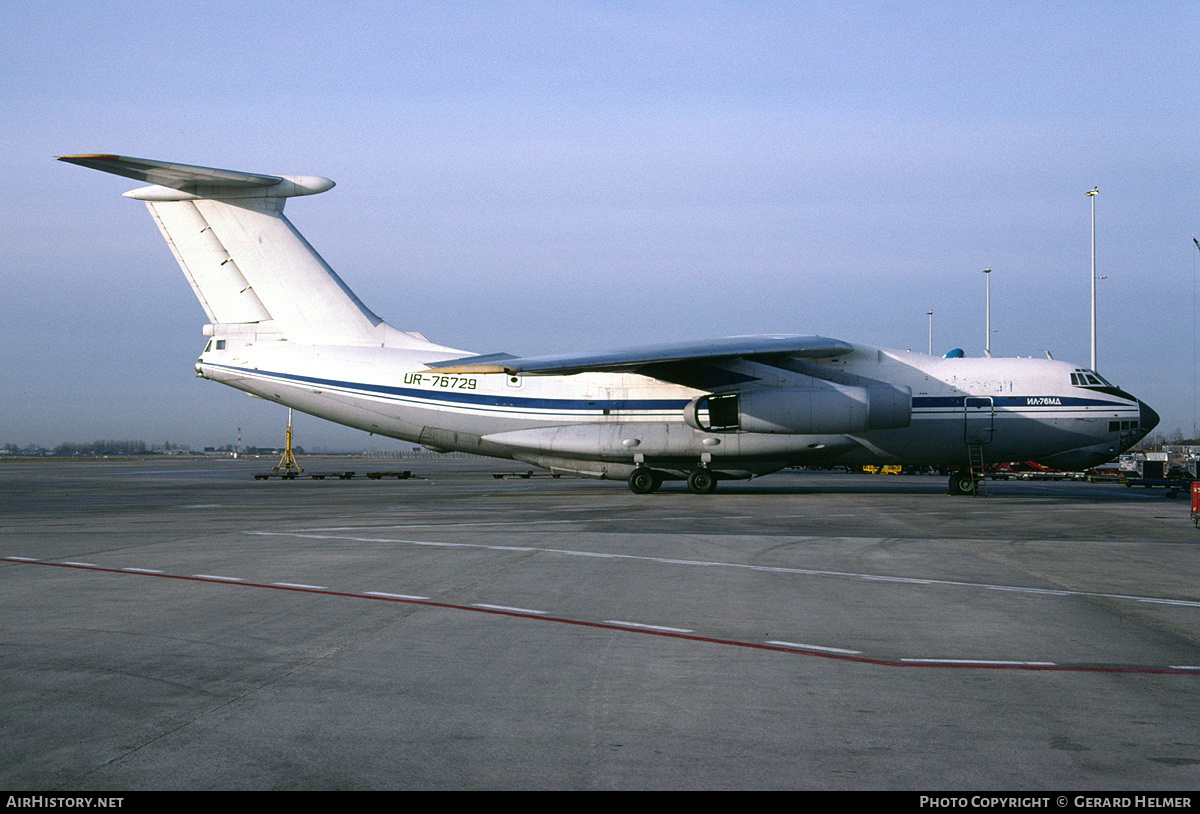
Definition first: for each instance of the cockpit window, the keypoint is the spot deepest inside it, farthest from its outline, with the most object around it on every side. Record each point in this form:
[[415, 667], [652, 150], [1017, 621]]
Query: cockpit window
[[1088, 378]]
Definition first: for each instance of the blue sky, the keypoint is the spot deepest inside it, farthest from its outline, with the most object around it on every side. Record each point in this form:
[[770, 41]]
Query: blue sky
[[554, 176]]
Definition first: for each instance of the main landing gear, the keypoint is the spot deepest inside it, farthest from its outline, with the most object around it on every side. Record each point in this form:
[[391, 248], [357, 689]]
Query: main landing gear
[[645, 480], [702, 481]]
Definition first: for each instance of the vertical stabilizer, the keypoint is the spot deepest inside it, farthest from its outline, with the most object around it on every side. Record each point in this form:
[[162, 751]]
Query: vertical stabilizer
[[220, 286], [248, 265]]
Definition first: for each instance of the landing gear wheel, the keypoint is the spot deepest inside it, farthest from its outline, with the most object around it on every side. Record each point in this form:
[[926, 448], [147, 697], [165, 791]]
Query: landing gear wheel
[[644, 480], [961, 483], [702, 481]]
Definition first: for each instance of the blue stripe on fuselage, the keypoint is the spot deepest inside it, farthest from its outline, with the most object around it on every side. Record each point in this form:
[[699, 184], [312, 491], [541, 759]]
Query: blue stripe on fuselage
[[468, 399], [1016, 402]]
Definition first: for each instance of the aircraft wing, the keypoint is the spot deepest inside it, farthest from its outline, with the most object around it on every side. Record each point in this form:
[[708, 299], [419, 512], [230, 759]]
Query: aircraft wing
[[632, 359], [184, 177]]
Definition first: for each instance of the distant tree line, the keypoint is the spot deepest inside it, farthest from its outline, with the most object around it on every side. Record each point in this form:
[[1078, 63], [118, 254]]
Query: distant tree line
[[103, 448], [110, 447]]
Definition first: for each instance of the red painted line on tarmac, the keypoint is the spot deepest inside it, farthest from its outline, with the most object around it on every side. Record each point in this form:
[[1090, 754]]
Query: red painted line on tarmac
[[234, 582]]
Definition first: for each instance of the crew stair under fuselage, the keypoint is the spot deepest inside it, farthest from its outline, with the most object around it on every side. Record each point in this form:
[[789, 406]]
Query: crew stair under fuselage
[[975, 465]]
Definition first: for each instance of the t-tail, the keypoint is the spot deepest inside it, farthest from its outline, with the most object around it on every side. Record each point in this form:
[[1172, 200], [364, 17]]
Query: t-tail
[[254, 274]]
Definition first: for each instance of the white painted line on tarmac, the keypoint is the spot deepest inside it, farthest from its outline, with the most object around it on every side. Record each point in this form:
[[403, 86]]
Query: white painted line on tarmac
[[214, 576], [535, 521], [817, 647], [641, 626], [300, 585], [383, 595], [143, 570], [80, 564], [506, 608], [1182, 602], [814, 572], [981, 662]]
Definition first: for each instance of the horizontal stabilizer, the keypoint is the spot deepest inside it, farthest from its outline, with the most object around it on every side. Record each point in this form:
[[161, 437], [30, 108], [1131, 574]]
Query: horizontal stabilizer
[[197, 182], [183, 177], [717, 350]]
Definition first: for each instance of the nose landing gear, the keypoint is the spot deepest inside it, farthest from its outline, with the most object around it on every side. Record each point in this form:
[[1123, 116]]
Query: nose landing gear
[[962, 483]]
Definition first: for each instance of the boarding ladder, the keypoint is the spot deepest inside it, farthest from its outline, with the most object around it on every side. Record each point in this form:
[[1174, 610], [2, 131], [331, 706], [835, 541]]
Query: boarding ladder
[[975, 465]]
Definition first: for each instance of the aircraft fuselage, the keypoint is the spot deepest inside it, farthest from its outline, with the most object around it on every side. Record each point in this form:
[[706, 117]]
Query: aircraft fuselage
[[608, 424]]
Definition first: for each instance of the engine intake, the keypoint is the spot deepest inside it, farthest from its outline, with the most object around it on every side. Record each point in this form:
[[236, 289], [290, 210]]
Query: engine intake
[[832, 409]]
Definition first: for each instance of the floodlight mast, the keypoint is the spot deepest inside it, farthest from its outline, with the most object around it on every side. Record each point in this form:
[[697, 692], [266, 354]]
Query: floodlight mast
[[1092, 194], [987, 316]]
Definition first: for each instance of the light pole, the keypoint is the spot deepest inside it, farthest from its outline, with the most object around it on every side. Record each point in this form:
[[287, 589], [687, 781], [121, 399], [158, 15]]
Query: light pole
[[1092, 194], [930, 332], [987, 316]]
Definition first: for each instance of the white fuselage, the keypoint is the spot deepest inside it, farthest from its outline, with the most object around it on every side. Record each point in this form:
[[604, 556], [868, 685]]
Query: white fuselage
[[607, 424]]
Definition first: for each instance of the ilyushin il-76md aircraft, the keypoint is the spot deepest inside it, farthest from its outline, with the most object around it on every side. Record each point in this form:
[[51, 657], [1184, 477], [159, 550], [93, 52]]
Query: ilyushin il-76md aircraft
[[283, 326]]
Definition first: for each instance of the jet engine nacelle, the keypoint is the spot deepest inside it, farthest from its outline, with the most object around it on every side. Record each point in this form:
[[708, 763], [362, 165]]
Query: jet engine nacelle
[[832, 409]]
